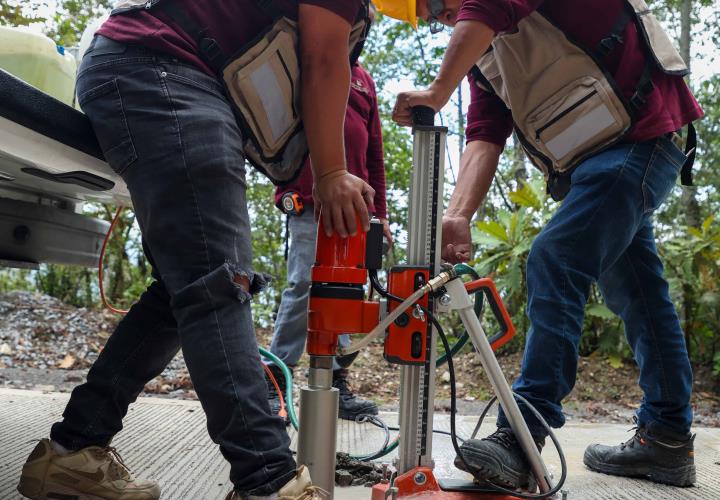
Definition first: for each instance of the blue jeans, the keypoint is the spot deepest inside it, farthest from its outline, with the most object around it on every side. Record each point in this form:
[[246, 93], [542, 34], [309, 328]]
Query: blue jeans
[[290, 334], [603, 233], [168, 130]]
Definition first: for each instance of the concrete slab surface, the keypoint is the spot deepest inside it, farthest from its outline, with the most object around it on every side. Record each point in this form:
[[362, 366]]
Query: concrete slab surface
[[166, 439]]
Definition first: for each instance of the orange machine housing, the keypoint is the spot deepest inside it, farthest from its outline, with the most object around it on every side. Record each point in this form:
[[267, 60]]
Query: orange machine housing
[[420, 484], [406, 339], [337, 302]]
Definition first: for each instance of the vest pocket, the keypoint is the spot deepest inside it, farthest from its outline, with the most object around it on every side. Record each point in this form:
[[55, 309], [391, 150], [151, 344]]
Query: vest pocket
[[265, 90], [577, 118]]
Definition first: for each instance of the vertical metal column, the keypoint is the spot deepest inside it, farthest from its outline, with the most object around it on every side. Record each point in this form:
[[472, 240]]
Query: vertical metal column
[[417, 383], [318, 420]]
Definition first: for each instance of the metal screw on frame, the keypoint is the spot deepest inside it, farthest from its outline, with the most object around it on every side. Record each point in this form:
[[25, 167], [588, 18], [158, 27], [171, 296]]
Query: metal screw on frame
[[385, 473]]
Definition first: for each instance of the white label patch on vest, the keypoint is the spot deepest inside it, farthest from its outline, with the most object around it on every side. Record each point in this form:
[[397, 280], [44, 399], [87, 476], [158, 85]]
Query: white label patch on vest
[[268, 89], [580, 132]]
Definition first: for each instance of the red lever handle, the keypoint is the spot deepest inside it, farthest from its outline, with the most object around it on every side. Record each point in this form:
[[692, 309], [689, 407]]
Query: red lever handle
[[507, 330]]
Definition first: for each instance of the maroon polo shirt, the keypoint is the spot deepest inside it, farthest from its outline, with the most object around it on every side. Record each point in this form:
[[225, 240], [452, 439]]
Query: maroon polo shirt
[[670, 106], [232, 23], [363, 145]]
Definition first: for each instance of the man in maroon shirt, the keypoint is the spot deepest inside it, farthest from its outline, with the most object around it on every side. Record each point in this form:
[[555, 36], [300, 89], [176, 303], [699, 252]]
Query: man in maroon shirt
[[165, 124], [602, 233], [364, 154]]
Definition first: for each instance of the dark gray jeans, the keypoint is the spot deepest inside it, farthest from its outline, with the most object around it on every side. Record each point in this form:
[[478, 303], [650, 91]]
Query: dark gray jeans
[[168, 130]]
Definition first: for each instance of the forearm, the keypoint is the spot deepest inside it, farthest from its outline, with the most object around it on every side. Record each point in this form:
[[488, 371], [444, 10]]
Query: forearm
[[469, 41], [324, 99], [325, 84], [477, 169]]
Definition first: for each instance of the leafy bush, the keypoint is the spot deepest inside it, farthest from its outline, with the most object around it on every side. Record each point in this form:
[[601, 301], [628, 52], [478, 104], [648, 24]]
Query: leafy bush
[[692, 260]]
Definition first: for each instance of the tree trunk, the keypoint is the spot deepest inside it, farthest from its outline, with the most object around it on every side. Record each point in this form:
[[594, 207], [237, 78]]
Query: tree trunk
[[689, 193], [519, 169]]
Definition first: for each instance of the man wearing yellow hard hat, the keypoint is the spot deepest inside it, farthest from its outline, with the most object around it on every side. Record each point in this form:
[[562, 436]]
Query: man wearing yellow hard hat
[[410, 10], [594, 91]]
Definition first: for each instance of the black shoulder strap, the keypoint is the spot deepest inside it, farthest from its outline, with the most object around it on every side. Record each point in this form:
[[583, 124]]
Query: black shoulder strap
[[644, 87], [615, 37], [210, 50], [363, 15], [479, 77], [690, 150]]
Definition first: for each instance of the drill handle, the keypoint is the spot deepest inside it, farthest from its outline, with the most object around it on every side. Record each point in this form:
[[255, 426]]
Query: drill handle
[[507, 329], [423, 116]]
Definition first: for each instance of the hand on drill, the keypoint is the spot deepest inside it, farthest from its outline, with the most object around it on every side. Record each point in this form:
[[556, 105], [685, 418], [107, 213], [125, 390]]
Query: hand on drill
[[341, 195]]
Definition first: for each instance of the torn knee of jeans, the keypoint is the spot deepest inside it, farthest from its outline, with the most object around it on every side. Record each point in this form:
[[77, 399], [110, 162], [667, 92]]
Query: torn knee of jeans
[[227, 282], [246, 282]]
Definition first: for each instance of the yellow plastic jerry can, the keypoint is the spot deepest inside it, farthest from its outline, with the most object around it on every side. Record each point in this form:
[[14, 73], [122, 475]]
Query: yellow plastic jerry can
[[36, 59]]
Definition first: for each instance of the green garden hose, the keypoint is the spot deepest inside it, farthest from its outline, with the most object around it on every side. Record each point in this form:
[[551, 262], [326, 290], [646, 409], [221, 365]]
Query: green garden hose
[[291, 407], [288, 385]]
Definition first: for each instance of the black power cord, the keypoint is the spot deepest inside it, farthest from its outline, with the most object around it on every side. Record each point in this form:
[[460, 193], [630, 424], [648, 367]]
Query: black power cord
[[375, 282], [377, 422], [435, 431]]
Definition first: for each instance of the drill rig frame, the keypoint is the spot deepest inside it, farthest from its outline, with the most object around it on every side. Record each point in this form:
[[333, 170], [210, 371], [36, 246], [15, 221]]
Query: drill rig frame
[[337, 306]]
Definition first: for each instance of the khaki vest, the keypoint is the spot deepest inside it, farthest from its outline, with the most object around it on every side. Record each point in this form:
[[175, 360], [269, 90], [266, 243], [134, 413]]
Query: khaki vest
[[565, 106]]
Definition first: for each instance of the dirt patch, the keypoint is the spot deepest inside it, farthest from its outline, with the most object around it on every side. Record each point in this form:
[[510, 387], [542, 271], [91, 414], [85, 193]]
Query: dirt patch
[[48, 345], [601, 394], [352, 472]]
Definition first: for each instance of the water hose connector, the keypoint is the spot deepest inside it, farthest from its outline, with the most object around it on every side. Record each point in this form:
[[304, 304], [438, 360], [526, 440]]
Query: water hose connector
[[440, 280]]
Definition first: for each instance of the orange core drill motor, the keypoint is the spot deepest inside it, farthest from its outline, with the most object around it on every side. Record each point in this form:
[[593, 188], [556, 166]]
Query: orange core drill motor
[[337, 306], [337, 302]]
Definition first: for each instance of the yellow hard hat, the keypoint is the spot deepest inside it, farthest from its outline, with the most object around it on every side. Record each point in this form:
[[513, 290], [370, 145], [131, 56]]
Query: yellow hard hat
[[404, 10]]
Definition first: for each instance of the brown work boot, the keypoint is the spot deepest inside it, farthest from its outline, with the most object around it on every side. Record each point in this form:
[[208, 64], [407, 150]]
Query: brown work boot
[[88, 474], [299, 488]]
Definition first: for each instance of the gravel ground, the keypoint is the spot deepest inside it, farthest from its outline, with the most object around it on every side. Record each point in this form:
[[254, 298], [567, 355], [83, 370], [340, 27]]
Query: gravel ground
[[47, 345]]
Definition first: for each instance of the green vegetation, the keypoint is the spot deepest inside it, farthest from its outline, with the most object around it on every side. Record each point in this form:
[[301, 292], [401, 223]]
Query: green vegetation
[[688, 229]]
